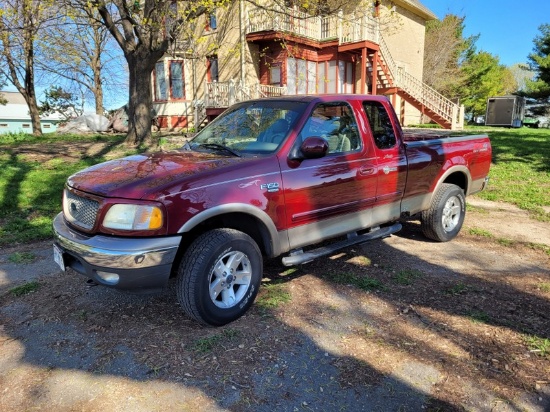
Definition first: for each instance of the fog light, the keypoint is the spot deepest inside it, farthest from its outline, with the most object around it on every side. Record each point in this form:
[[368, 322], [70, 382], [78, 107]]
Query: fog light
[[108, 277]]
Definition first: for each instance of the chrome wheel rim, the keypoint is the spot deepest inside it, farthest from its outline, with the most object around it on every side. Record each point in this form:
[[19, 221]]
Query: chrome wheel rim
[[230, 279], [451, 213]]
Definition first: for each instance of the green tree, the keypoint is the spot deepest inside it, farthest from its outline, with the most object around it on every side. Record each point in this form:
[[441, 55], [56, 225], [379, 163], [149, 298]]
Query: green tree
[[62, 102], [539, 62], [445, 50], [483, 76], [20, 24]]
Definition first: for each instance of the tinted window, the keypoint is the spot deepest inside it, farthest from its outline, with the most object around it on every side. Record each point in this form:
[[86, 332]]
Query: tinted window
[[380, 125]]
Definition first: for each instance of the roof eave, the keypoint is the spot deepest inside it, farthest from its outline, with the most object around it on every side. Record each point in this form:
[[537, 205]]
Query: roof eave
[[417, 8]]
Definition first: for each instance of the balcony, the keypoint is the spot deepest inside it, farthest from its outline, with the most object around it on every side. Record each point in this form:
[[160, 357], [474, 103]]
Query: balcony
[[343, 28]]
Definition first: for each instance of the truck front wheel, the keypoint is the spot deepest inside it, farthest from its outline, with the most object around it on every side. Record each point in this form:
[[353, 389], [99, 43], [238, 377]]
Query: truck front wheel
[[443, 220], [219, 276]]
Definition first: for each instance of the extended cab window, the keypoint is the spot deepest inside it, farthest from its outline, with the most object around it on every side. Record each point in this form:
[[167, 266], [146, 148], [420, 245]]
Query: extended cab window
[[335, 123], [380, 125]]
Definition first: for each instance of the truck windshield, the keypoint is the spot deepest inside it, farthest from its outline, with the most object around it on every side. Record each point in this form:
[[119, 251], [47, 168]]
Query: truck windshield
[[255, 127]]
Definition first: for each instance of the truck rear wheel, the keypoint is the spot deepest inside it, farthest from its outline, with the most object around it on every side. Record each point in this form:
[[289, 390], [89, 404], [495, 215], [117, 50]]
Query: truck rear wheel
[[219, 276], [443, 220]]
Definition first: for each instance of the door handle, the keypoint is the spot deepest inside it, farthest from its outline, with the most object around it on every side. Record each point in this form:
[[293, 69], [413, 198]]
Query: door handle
[[365, 171]]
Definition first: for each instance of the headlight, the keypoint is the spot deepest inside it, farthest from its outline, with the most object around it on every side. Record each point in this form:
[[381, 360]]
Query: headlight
[[133, 217]]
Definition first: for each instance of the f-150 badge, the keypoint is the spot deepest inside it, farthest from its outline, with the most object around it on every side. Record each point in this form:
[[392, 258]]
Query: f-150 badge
[[270, 187]]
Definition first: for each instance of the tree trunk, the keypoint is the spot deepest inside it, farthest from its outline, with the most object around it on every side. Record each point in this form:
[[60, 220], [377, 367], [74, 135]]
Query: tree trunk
[[98, 92], [96, 68], [29, 91], [140, 100], [35, 115]]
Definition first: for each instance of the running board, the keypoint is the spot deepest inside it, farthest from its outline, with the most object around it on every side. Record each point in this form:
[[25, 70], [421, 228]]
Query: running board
[[304, 257]]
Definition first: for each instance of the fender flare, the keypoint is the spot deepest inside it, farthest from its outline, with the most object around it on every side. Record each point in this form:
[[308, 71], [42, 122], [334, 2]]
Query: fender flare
[[454, 169], [263, 217]]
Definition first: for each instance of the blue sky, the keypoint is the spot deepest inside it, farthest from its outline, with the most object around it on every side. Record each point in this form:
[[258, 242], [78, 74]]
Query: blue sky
[[506, 27]]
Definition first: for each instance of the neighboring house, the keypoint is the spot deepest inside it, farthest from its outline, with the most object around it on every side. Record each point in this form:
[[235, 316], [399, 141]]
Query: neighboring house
[[245, 52], [15, 118]]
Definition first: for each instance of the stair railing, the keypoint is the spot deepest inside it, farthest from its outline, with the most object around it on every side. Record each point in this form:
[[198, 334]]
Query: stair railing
[[427, 96]]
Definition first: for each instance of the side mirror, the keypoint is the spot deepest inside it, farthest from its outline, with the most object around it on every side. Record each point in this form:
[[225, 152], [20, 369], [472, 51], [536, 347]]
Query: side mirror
[[313, 147]]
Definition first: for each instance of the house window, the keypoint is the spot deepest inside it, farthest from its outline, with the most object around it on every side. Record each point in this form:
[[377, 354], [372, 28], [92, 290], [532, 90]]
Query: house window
[[300, 76], [176, 80], [212, 69], [275, 75], [335, 77], [3, 125], [309, 77], [171, 85], [161, 93], [46, 126], [26, 125]]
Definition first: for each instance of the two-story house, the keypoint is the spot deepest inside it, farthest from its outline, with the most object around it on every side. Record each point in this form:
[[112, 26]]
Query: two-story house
[[247, 51]]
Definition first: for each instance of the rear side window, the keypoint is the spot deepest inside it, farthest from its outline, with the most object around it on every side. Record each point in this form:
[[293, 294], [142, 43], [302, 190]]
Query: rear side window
[[380, 125]]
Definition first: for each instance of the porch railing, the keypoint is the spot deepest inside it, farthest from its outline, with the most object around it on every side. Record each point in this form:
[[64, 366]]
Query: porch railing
[[321, 28], [224, 94]]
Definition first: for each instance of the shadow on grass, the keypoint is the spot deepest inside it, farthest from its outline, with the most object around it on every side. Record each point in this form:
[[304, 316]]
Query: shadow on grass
[[32, 189], [531, 146]]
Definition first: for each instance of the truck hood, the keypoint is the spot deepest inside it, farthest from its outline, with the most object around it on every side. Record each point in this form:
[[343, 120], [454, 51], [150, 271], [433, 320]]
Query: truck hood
[[138, 176]]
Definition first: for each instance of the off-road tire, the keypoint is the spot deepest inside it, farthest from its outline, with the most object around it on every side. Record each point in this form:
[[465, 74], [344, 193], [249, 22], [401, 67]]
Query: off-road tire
[[443, 220], [219, 276]]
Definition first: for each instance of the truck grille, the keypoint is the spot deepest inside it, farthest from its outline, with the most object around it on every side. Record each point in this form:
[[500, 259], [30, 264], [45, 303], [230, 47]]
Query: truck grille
[[80, 211]]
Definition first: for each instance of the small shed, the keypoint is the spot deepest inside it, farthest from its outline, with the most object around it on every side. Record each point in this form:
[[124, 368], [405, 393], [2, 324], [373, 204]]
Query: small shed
[[507, 111], [15, 118]]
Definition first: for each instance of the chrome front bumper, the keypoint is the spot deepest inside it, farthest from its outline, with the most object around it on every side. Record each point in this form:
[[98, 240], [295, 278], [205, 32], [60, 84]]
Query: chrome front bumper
[[135, 264]]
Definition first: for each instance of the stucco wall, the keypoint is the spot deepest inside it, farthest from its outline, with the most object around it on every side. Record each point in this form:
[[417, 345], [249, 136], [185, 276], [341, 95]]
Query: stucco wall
[[404, 34]]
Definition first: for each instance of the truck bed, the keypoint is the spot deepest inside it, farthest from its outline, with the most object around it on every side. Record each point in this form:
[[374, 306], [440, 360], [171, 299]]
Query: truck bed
[[417, 134]]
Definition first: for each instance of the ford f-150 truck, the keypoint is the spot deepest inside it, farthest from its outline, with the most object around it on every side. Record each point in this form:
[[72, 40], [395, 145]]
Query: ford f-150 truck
[[269, 177]]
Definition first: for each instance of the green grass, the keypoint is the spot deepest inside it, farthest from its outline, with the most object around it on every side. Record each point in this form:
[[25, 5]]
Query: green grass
[[208, 344], [476, 231], [362, 282], [31, 188], [21, 257], [458, 289], [520, 173], [407, 277], [477, 316], [539, 246], [25, 288], [540, 346], [272, 295]]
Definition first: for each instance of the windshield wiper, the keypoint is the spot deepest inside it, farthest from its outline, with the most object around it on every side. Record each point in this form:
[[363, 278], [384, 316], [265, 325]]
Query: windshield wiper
[[219, 147]]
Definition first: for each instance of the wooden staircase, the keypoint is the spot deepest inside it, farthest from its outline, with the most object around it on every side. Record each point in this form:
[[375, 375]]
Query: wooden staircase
[[392, 79]]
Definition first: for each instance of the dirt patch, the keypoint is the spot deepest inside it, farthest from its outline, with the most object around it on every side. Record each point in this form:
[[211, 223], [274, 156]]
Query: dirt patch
[[398, 324]]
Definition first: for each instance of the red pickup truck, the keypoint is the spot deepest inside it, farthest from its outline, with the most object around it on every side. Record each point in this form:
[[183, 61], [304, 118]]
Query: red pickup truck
[[269, 177]]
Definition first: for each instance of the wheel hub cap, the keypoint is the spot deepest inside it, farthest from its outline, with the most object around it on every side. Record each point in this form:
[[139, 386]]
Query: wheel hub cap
[[451, 213], [230, 279]]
